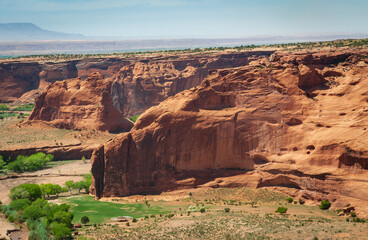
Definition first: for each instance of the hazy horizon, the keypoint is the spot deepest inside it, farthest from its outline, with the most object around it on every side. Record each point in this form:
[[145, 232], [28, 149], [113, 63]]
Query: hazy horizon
[[143, 19]]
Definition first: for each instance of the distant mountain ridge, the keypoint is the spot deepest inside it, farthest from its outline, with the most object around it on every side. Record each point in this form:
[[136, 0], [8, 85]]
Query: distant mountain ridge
[[20, 32], [18, 39]]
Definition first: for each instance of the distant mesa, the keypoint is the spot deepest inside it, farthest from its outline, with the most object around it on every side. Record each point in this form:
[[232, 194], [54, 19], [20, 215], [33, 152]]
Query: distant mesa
[[17, 32]]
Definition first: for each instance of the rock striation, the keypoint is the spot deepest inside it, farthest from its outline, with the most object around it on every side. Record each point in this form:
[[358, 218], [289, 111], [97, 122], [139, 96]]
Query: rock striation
[[133, 86], [80, 104], [295, 125], [147, 82]]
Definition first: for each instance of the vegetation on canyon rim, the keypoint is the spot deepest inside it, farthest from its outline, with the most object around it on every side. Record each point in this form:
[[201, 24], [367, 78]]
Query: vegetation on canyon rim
[[351, 43]]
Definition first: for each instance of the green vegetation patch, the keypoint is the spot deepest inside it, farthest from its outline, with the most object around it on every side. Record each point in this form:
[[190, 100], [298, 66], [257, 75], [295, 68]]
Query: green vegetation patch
[[134, 118], [98, 211], [7, 114], [26, 107], [4, 107]]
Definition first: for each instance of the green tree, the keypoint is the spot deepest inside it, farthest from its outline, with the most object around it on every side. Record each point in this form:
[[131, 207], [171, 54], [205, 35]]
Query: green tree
[[79, 185], [16, 166], [27, 190], [57, 189], [47, 189], [31, 163], [34, 212], [38, 231], [69, 185], [19, 193], [281, 210], [289, 199], [60, 231], [63, 217], [325, 204], [19, 204], [84, 220]]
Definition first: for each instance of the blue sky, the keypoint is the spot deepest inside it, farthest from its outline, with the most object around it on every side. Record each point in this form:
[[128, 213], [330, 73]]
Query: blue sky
[[190, 18]]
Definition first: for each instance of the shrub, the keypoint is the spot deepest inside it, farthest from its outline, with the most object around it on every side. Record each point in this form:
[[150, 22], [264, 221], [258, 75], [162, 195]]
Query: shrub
[[227, 209], [289, 199], [31, 163], [34, 212], [79, 185], [325, 204], [60, 231], [69, 185], [358, 220], [63, 217], [19, 204], [134, 220], [26, 107], [281, 210], [134, 118], [295, 202], [26, 191], [4, 208], [4, 107], [84, 220], [202, 210], [2, 163], [38, 231], [353, 214], [301, 201], [11, 218]]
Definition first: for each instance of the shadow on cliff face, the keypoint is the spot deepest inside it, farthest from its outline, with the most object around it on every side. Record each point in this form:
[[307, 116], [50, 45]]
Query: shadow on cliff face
[[253, 126]]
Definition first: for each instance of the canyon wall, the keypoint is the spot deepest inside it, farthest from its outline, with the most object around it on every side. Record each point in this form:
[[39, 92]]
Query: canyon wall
[[295, 122], [131, 87], [80, 104]]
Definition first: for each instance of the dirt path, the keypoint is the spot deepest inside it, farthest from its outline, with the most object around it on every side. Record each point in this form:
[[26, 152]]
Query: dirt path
[[4, 226]]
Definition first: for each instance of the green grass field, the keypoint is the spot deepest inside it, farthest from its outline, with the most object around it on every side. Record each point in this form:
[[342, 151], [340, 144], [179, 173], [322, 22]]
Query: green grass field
[[242, 221], [98, 211]]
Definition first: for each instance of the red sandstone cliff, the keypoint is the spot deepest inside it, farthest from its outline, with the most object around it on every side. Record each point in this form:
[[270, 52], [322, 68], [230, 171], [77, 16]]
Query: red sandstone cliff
[[296, 125], [80, 104], [146, 82], [19, 79], [134, 87]]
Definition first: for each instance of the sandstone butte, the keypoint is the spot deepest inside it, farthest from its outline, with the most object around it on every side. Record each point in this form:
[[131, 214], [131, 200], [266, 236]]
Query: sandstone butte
[[296, 122]]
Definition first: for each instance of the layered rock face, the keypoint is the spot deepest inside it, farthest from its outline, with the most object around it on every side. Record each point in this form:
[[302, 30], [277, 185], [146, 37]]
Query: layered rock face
[[132, 88], [144, 83], [297, 126], [16, 79], [80, 104], [21, 79], [25, 80]]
